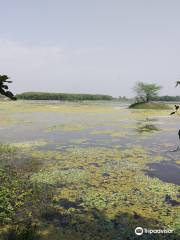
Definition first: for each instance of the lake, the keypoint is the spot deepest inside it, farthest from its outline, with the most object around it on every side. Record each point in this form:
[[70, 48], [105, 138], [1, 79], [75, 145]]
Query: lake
[[103, 169]]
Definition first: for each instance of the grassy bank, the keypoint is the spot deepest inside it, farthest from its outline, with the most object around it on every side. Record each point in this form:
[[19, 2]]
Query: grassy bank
[[149, 105], [62, 96]]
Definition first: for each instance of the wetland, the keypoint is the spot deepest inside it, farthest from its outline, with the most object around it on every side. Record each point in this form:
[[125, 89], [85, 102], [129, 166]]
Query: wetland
[[87, 171]]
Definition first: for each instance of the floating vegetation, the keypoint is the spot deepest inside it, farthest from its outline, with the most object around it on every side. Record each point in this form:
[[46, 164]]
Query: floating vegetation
[[29, 144], [110, 133], [80, 172], [66, 127], [178, 161], [147, 128], [45, 155]]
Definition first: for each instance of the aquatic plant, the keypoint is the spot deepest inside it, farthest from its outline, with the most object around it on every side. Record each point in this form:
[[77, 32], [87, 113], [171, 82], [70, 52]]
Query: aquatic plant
[[86, 177]]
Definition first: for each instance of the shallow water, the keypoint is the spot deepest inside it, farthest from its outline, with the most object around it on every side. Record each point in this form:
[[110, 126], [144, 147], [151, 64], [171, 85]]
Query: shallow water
[[167, 171], [101, 124], [127, 155]]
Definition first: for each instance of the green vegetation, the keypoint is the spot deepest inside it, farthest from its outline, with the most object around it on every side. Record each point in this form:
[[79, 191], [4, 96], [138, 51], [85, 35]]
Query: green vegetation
[[62, 96], [83, 181], [167, 98], [4, 88], [146, 92], [21, 201], [149, 105], [124, 99]]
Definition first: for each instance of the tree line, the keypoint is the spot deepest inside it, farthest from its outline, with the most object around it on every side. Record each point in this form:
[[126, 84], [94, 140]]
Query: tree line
[[62, 96], [144, 93], [167, 98]]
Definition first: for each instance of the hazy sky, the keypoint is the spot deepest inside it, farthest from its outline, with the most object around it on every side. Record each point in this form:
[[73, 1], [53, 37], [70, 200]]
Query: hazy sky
[[90, 46]]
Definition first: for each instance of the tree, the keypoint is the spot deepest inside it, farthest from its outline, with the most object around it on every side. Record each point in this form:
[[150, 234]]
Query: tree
[[4, 88], [146, 92]]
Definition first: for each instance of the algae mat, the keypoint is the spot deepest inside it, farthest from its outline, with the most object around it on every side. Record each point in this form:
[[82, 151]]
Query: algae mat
[[87, 170]]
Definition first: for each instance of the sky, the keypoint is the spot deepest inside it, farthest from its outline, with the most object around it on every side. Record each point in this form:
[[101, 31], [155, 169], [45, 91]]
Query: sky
[[90, 46]]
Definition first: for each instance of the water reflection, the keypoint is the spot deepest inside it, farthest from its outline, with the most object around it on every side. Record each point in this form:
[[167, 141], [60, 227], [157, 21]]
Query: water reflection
[[167, 171], [146, 128]]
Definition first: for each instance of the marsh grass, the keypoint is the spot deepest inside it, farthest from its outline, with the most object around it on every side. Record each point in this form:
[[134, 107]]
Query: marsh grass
[[7, 149]]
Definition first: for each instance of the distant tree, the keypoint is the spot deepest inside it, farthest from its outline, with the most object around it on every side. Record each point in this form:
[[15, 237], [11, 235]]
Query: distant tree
[[146, 92], [4, 88], [62, 96]]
